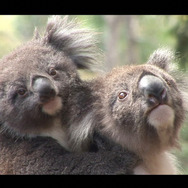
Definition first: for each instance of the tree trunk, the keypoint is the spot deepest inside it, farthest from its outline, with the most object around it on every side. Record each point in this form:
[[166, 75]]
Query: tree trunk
[[132, 38], [115, 55], [111, 42]]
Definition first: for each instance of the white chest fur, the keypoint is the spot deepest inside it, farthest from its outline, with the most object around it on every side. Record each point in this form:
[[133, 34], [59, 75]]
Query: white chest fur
[[164, 163]]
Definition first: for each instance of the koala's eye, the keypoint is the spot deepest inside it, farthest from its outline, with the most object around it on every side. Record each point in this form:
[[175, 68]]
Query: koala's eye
[[21, 91], [122, 95], [169, 82], [52, 72]]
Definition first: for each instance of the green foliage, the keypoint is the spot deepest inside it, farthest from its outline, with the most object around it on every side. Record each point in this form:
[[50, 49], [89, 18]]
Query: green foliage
[[180, 31], [183, 152], [7, 35], [25, 25], [154, 33]]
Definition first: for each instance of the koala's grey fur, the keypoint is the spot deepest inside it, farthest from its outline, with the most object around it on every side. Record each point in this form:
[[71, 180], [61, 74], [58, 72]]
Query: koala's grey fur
[[133, 122], [44, 155], [64, 47]]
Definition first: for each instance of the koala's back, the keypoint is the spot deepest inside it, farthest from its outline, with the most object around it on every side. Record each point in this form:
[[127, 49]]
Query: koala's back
[[46, 156]]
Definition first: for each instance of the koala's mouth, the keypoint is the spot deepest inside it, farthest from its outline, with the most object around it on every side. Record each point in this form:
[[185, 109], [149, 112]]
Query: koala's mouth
[[52, 106], [161, 116]]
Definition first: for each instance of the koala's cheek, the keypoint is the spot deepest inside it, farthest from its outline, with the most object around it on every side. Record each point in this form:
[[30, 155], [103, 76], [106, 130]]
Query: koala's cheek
[[53, 106], [161, 117]]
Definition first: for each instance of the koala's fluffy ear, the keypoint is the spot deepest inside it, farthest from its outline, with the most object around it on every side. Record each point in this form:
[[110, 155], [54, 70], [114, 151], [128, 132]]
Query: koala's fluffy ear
[[77, 43], [163, 59], [36, 34]]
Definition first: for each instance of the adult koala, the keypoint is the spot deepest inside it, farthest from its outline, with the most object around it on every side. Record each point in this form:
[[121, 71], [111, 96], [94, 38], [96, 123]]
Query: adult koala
[[43, 156], [37, 83]]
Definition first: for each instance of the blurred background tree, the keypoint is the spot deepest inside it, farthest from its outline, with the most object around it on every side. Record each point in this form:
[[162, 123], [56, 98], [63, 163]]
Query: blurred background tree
[[125, 39], [180, 32]]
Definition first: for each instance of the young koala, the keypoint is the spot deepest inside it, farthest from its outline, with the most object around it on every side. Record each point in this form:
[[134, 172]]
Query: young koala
[[140, 107], [36, 79]]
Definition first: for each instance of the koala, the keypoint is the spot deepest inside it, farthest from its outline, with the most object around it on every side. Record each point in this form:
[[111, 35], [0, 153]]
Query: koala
[[40, 94], [140, 107], [44, 156], [36, 79]]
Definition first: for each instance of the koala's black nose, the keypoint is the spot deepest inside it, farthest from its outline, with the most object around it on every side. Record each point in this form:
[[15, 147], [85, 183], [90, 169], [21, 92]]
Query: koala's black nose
[[44, 88], [153, 89]]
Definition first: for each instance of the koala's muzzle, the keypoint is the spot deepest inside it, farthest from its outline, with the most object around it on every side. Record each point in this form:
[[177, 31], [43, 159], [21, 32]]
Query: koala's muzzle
[[153, 89], [44, 88]]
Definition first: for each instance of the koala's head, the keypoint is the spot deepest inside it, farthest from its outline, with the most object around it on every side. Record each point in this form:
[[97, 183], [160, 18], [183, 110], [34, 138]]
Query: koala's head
[[143, 105], [36, 78]]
